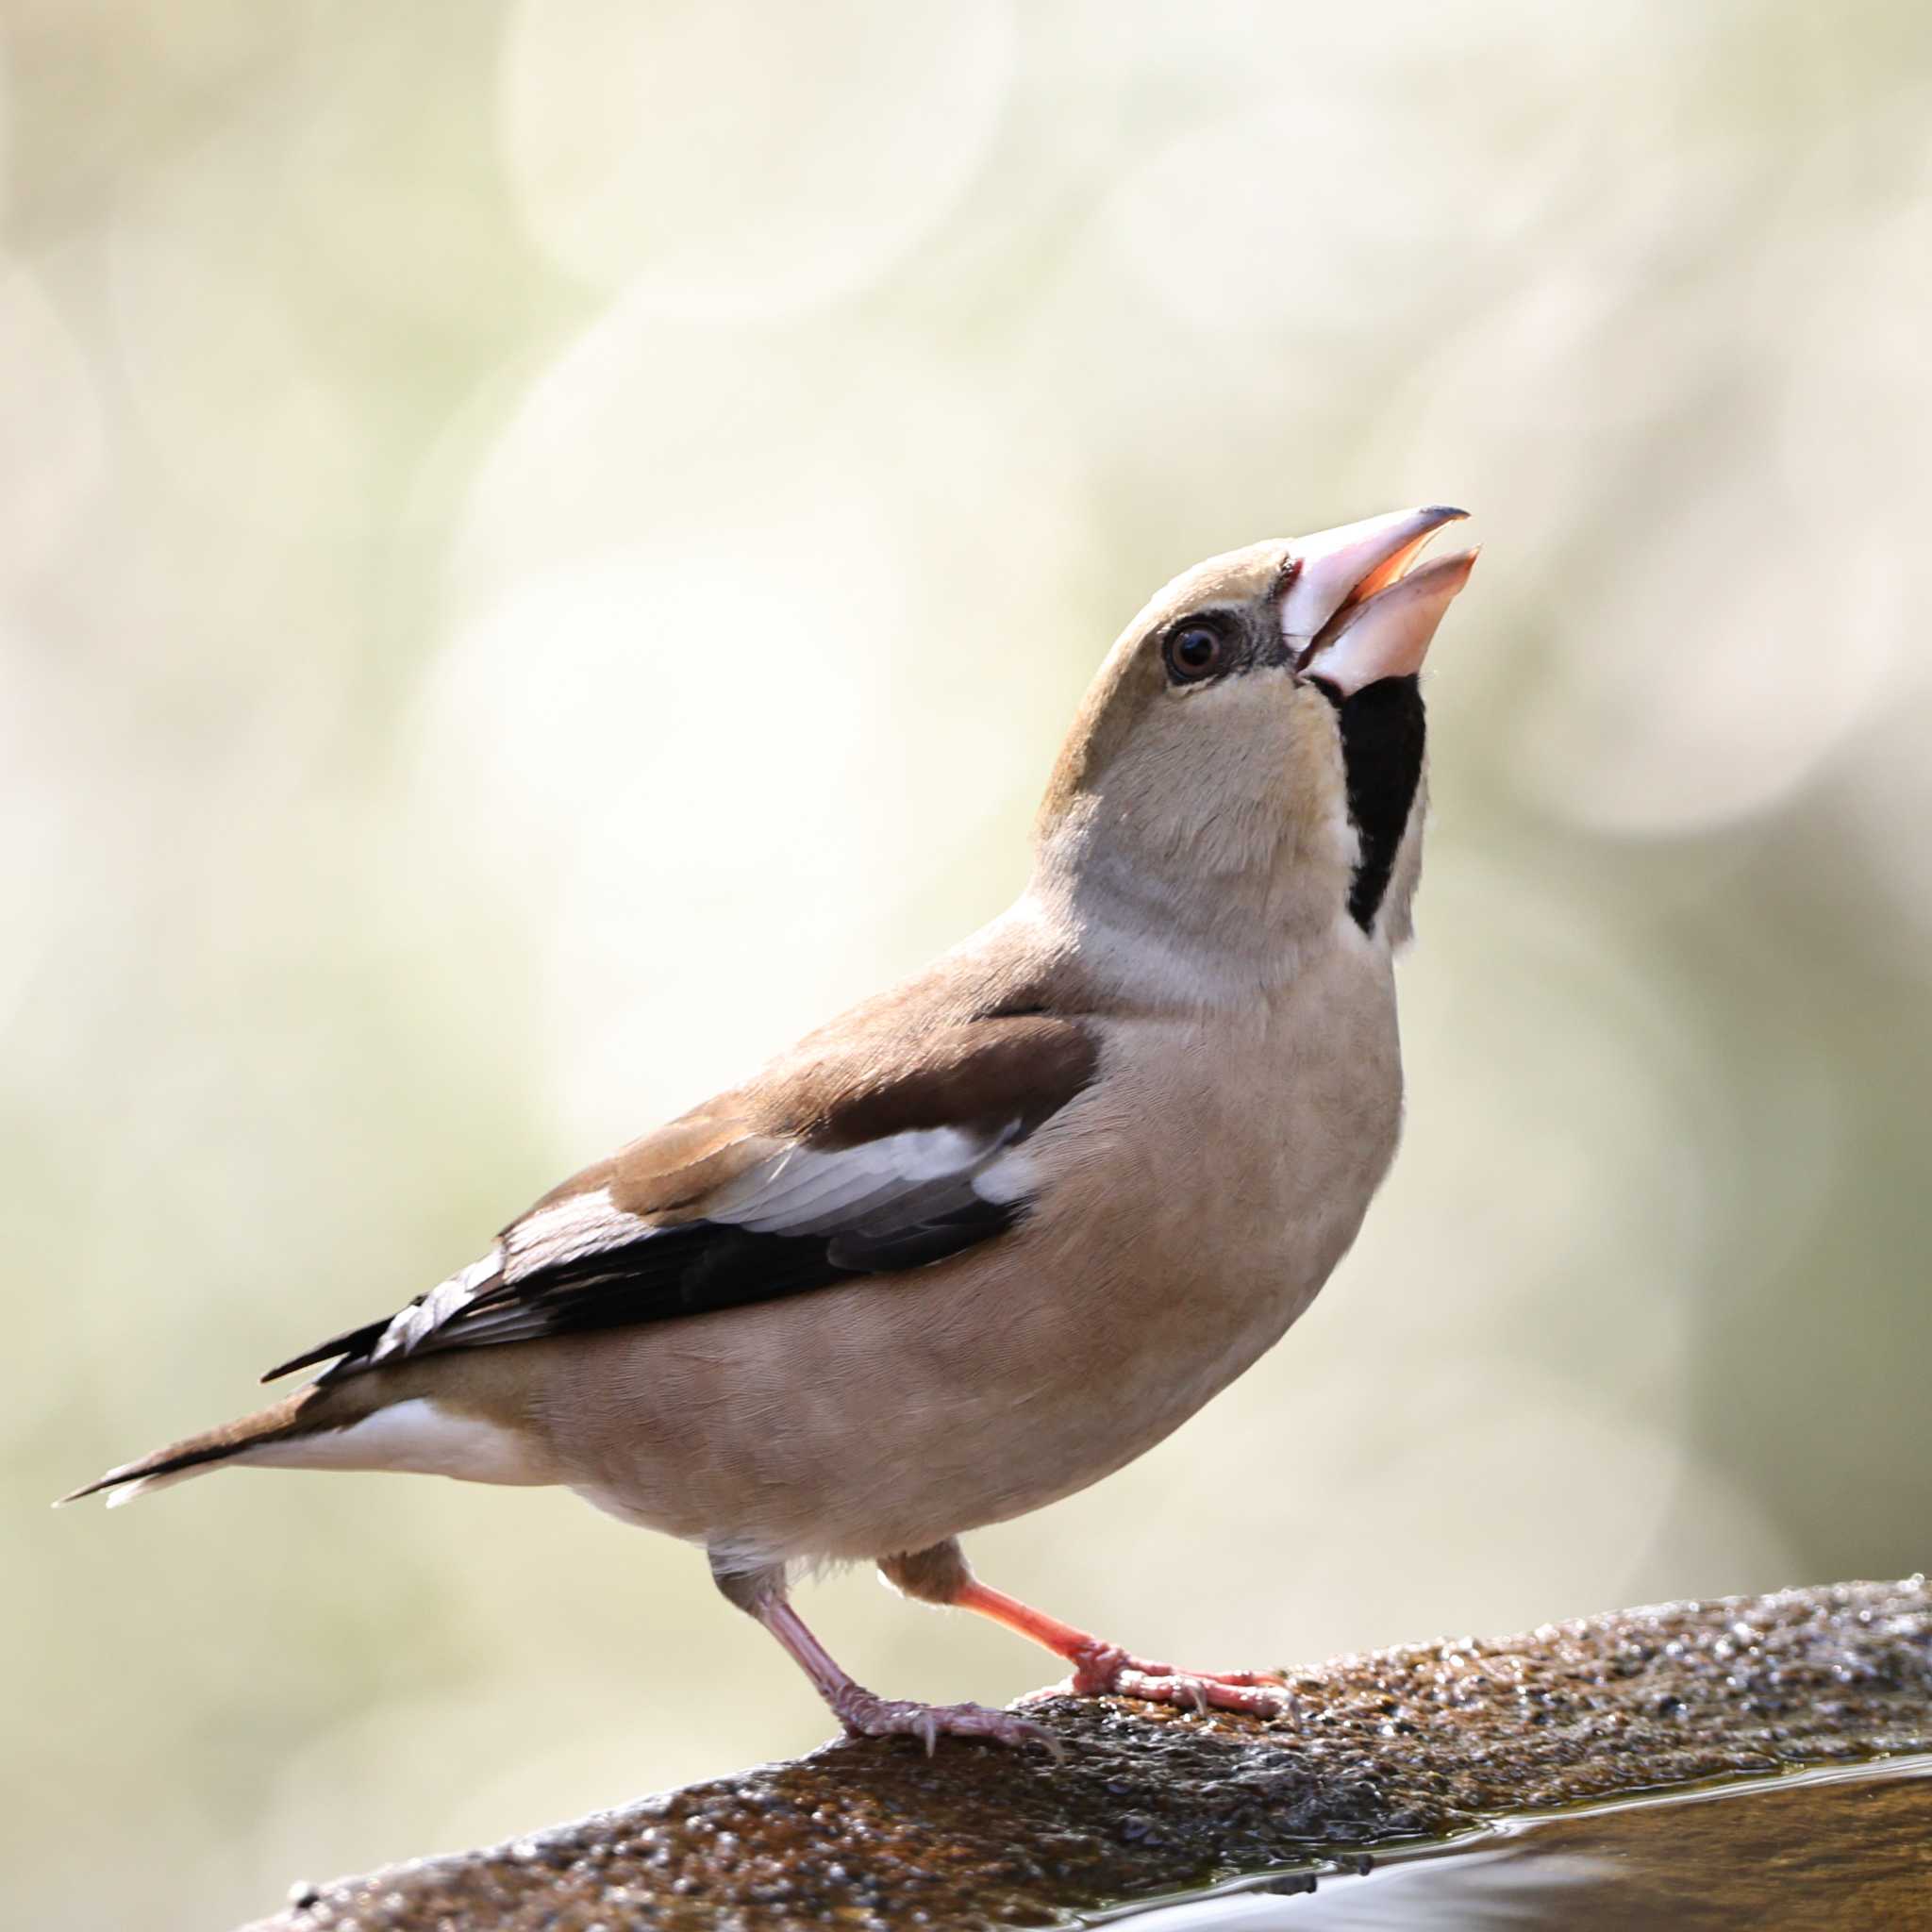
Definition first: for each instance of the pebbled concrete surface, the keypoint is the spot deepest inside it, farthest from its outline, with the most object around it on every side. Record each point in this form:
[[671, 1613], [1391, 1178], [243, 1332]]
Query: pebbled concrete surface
[[1414, 1743]]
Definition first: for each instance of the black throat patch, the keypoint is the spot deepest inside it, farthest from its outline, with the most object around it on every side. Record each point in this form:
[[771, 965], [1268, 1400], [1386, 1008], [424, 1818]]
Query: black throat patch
[[1382, 734]]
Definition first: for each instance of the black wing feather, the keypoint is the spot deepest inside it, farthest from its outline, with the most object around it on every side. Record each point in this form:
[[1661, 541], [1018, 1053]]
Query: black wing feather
[[699, 1267], [922, 1184]]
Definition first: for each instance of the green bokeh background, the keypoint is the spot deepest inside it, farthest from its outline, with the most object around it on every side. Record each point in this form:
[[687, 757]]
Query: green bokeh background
[[545, 546]]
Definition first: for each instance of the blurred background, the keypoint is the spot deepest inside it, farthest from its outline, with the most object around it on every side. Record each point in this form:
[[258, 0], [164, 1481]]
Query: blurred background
[[545, 547]]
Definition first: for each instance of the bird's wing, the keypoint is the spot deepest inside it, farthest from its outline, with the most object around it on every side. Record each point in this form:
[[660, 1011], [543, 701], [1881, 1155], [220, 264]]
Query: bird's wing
[[856, 1157]]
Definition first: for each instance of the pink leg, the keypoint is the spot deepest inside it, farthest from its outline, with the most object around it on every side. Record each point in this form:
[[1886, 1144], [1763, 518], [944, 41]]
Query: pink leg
[[862, 1712], [1102, 1669], [940, 1575], [865, 1714]]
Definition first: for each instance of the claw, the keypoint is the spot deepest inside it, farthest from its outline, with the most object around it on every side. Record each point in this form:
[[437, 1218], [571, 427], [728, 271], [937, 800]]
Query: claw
[[865, 1715], [1102, 1670], [1107, 1671]]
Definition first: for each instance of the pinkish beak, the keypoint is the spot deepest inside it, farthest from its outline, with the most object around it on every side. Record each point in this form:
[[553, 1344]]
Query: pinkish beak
[[1356, 611]]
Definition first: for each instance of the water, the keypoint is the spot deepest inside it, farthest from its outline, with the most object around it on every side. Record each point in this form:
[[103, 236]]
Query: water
[[1844, 1849]]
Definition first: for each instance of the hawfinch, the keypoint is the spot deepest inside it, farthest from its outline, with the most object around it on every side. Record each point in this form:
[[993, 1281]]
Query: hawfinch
[[995, 1233]]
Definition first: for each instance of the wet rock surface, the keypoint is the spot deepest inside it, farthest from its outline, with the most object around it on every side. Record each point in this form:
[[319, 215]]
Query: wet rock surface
[[1414, 1743]]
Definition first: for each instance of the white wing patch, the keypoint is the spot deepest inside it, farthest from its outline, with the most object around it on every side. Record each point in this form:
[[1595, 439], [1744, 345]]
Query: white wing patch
[[1010, 1176], [869, 1197], [806, 1190], [415, 1322], [567, 1230]]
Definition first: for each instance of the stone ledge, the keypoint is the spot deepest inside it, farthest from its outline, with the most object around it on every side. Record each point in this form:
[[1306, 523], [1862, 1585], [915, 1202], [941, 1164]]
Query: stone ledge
[[1414, 1743]]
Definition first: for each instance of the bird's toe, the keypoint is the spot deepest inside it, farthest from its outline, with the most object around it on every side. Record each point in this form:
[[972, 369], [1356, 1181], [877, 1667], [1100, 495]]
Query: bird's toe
[[1110, 1671], [865, 1715]]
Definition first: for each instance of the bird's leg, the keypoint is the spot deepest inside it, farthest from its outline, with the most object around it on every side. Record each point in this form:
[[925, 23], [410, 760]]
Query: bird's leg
[[762, 1594], [942, 1575]]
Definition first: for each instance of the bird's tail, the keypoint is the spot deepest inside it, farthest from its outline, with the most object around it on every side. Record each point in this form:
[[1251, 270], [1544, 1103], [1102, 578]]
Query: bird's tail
[[254, 1437]]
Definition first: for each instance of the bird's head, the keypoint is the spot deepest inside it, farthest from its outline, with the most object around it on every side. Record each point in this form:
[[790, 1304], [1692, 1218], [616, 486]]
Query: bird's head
[[1245, 774]]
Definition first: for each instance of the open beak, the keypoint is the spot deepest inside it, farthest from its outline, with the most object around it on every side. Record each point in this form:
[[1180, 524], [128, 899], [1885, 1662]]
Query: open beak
[[1360, 608]]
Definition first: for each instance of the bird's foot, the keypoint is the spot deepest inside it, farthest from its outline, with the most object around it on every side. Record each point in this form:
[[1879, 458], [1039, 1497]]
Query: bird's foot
[[1102, 1670], [866, 1715]]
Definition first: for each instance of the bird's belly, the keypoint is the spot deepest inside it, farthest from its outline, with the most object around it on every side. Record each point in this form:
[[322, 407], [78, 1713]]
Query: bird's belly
[[889, 1413]]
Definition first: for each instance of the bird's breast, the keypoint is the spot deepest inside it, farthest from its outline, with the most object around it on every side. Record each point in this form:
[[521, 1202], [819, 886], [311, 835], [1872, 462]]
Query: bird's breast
[[1199, 1198]]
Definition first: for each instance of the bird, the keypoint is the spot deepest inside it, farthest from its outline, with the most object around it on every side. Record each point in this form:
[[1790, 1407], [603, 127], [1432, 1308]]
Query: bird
[[990, 1236]]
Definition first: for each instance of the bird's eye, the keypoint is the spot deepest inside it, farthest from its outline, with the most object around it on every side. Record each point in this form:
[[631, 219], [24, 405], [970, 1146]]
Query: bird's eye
[[1194, 651]]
